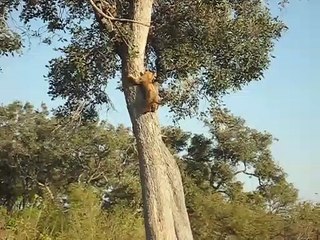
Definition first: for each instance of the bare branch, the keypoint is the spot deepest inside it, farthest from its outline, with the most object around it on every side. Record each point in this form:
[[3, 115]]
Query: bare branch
[[112, 18]]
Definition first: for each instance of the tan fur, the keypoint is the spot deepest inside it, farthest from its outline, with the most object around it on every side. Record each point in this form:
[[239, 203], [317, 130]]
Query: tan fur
[[146, 79]]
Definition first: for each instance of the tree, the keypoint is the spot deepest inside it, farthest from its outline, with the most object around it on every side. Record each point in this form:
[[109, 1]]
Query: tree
[[10, 42], [303, 221], [218, 205], [39, 152], [200, 50], [232, 149], [240, 150]]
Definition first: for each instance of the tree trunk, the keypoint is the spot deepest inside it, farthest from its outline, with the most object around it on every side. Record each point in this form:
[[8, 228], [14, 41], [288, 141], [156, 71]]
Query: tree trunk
[[165, 212]]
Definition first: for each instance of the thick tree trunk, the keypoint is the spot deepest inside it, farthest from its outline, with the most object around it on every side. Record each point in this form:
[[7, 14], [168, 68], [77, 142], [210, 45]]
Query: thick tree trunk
[[165, 212]]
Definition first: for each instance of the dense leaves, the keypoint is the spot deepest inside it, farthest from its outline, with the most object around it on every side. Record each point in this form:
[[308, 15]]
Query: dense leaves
[[90, 172], [233, 151], [200, 49], [37, 150], [10, 41], [83, 220], [82, 74], [205, 48]]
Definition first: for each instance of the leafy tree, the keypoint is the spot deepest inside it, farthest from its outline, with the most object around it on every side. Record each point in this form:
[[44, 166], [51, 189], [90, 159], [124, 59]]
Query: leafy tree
[[234, 150], [38, 151], [200, 50], [83, 220], [248, 152], [10, 42], [213, 216], [268, 212], [303, 222], [175, 138]]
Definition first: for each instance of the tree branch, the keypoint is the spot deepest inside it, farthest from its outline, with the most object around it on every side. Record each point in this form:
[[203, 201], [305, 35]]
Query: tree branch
[[244, 171], [112, 18]]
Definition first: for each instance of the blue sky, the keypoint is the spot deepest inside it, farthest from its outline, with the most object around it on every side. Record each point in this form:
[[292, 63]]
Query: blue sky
[[286, 103]]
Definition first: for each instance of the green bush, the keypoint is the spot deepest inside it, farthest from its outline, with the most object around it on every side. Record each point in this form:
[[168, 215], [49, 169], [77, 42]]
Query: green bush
[[83, 220]]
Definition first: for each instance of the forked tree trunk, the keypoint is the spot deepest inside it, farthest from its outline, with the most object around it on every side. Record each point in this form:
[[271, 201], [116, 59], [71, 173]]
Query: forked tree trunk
[[165, 212]]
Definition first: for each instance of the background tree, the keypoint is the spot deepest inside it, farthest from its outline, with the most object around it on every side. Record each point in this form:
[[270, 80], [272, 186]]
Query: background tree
[[95, 173], [303, 221], [200, 50], [10, 42], [38, 151], [230, 153]]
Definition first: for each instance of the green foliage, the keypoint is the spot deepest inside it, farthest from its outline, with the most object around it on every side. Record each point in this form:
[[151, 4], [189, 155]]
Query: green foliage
[[10, 41], [83, 72], [37, 150], [84, 220], [175, 138], [233, 150], [93, 167], [214, 218], [249, 150], [200, 49], [205, 48], [304, 221]]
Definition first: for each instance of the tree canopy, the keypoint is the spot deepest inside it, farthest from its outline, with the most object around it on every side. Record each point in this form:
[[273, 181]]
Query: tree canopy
[[10, 42], [200, 49]]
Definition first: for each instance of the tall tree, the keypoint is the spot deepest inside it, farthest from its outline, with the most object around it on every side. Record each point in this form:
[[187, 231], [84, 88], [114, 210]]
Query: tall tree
[[199, 49]]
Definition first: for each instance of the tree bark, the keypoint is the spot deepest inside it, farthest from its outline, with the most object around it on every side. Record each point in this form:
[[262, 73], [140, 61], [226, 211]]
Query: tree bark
[[165, 212]]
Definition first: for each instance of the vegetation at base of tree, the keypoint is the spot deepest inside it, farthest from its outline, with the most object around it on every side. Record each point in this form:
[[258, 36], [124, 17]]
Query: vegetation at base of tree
[[62, 179]]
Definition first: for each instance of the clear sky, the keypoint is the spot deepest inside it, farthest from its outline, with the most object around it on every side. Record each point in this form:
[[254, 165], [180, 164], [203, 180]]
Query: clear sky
[[286, 103]]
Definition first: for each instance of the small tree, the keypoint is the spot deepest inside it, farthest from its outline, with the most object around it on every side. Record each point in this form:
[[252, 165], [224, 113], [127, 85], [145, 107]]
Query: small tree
[[200, 50]]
